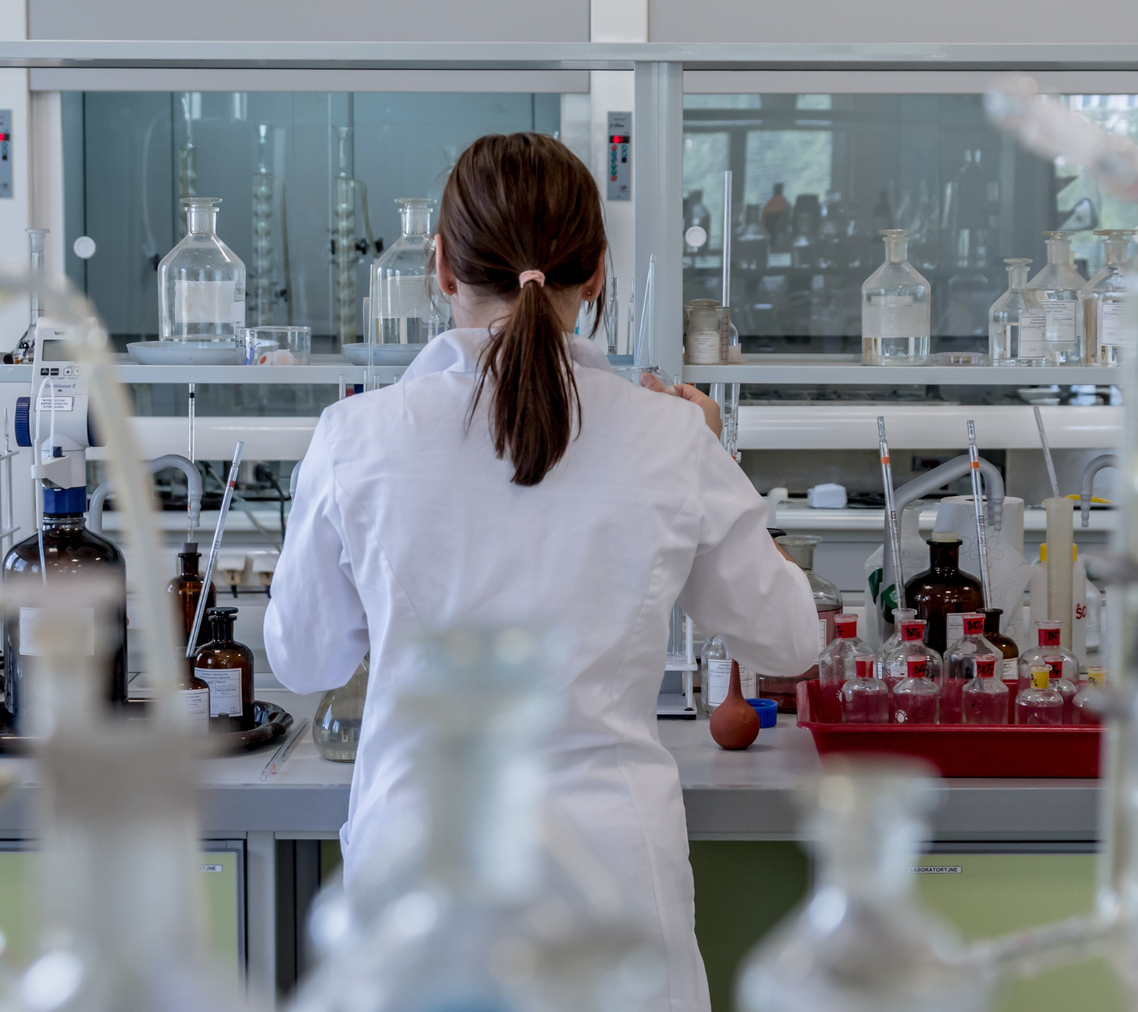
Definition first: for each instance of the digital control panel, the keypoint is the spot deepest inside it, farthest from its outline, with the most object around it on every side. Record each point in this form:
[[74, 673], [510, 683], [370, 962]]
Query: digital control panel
[[5, 153], [620, 156]]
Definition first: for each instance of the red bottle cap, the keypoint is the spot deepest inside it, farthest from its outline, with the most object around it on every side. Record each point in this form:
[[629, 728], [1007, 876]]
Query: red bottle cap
[[918, 665], [914, 630], [973, 624], [846, 626], [864, 664], [1049, 633], [985, 665]]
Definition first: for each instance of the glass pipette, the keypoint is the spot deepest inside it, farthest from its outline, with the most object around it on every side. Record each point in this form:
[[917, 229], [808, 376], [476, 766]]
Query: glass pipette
[[191, 646], [892, 526], [1047, 453], [978, 503]]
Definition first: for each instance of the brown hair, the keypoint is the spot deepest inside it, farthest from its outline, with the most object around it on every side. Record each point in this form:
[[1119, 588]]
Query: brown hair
[[512, 204]]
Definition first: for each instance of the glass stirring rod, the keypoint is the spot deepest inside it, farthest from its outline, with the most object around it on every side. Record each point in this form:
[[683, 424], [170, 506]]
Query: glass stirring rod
[[891, 522], [978, 502]]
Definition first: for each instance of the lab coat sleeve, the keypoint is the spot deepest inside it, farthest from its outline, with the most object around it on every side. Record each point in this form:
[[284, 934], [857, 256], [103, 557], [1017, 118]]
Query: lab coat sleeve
[[740, 587], [315, 627]]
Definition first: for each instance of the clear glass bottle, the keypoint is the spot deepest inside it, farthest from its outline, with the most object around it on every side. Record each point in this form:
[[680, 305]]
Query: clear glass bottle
[[716, 662], [943, 590], [959, 668], [403, 300], [702, 337], [339, 717], [1057, 287], [1039, 703], [201, 281], [1016, 323], [900, 617], [836, 665], [895, 308], [827, 597], [1061, 664], [68, 551], [1082, 710], [984, 700], [186, 589], [227, 667], [895, 666], [1107, 303], [861, 942], [916, 698], [865, 698]]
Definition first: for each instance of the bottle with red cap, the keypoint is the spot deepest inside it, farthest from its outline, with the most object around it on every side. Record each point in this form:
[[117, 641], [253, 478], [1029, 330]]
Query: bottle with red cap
[[895, 665], [865, 698], [836, 665], [984, 699], [1039, 703], [960, 665], [915, 698], [1062, 665]]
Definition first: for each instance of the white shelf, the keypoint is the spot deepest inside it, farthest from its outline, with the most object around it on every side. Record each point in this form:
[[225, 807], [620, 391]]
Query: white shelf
[[327, 370], [848, 370]]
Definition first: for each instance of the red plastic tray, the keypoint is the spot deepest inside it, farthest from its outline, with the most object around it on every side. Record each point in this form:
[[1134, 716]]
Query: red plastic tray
[[962, 750]]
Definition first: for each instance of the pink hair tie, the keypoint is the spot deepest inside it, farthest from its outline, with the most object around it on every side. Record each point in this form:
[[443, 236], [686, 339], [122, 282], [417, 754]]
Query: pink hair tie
[[527, 276]]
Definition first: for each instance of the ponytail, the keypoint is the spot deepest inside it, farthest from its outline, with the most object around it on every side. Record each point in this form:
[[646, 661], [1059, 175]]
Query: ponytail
[[534, 389], [523, 209]]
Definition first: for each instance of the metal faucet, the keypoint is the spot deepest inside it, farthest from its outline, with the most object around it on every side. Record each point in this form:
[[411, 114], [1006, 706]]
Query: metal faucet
[[174, 460], [1093, 467]]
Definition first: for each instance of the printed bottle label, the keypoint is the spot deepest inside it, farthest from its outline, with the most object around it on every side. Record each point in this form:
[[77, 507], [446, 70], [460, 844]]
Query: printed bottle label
[[718, 681], [954, 627], [1061, 317], [1011, 669], [703, 347], [224, 690], [1032, 336], [36, 629], [1115, 324], [193, 705]]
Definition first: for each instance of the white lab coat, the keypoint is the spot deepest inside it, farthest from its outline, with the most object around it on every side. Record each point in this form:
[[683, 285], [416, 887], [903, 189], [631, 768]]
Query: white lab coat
[[405, 521]]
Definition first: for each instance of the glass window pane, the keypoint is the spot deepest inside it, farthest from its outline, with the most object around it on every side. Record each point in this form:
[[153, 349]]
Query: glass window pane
[[799, 159]]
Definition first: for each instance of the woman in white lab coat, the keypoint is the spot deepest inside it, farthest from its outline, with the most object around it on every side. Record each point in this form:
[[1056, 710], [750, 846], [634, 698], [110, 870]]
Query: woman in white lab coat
[[510, 477]]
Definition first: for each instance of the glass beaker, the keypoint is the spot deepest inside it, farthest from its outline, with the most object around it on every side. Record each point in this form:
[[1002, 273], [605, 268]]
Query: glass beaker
[[201, 281], [339, 715], [1108, 304], [1017, 326], [277, 345], [1057, 289], [895, 308], [405, 305]]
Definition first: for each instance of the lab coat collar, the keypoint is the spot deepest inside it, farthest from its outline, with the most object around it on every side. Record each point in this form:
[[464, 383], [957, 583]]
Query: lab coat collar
[[457, 350]]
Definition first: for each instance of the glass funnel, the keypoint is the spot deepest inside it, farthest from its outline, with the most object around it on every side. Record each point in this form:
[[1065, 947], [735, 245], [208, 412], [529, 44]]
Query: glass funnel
[[1108, 305], [463, 909], [406, 307], [339, 714], [201, 281], [1016, 324], [1057, 289], [861, 942], [895, 305]]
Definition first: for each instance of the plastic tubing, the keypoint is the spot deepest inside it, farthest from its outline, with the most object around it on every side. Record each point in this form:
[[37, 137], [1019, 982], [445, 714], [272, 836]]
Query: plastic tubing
[[174, 460], [1093, 467]]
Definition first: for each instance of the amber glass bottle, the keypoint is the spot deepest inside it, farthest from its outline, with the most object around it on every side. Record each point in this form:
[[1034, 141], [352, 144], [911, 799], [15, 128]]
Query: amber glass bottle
[[187, 590], [69, 550], [193, 700], [226, 666], [943, 590]]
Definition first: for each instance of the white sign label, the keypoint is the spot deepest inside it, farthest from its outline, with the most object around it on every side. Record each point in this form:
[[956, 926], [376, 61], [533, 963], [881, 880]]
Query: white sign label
[[224, 690], [46, 403], [954, 627], [212, 868], [1115, 326], [938, 869], [36, 629], [1032, 336], [1061, 318], [718, 681]]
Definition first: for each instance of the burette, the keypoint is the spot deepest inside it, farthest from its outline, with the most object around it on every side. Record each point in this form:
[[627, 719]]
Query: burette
[[892, 526], [978, 503]]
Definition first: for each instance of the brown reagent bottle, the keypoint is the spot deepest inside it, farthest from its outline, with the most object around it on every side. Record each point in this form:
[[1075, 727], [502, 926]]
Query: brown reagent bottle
[[942, 589], [226, 666], [187, 590]]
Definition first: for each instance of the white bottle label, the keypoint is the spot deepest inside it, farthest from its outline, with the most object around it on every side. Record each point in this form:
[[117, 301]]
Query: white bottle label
[[1032, 336], [193, 706], [1061, 321], [703, 347], [205, 302], [822, 635], [224, 690], [36, 629], [1011, 669], [718, 681], [1115, 324], [954, 627], [893, 316]]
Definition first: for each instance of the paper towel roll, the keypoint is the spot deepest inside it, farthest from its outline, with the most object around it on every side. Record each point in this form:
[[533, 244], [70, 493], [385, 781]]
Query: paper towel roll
[[1008, 570]]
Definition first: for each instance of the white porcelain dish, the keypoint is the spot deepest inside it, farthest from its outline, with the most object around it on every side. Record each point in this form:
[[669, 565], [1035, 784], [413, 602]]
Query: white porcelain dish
[[385, 354], [187, 352]]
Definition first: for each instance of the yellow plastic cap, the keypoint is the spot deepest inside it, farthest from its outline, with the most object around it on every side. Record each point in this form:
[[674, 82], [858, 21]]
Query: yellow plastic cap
[[1040, 678], [1096, 677]]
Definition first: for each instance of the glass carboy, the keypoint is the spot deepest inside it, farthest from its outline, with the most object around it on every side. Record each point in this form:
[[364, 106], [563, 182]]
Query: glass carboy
[[1016, 324], [405, 305], [1057, 289], [1108, 306], [895, 308], [201, 281], [339, 716]]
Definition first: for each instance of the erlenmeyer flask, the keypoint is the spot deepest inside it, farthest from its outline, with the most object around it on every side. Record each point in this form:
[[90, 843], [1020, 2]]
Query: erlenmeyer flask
[[861, 943], [339, 714]]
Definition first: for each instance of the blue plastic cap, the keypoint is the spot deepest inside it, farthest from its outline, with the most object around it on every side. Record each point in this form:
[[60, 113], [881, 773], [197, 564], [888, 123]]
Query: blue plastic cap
[[23, 421], [767, 709], [64, 501]]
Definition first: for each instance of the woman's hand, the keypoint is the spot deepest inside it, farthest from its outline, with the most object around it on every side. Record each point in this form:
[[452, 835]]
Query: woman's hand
[[689, 393]]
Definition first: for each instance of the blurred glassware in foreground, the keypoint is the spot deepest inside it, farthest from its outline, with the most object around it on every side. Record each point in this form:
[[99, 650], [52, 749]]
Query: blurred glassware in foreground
[[339, 716]]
